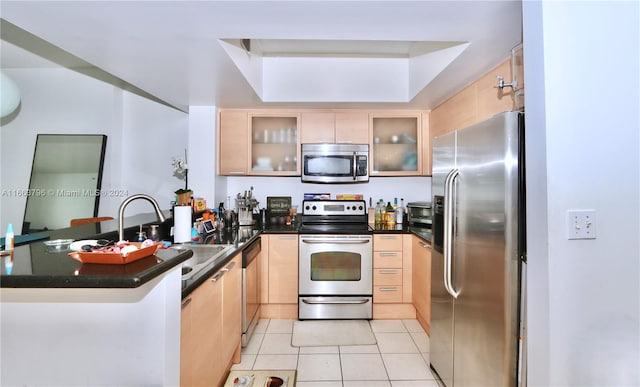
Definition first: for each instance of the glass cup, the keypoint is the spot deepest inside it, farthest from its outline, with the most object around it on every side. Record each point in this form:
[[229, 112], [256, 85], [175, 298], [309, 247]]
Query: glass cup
[[293, 212]]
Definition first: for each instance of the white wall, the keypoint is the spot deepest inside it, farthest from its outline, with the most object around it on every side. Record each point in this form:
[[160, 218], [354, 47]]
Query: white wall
[[582, 76], [141, 138], [409, 188], [151, 135]]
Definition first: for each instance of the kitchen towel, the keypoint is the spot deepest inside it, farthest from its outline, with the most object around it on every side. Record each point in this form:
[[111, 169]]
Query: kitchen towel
[[182, 224]]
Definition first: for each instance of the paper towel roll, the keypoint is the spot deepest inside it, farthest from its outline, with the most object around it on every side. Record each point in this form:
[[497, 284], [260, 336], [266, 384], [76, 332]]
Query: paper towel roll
[[182, 224]]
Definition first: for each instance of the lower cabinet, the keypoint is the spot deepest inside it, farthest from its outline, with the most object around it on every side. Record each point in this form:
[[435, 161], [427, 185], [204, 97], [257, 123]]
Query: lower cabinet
[[421, 252], [279, 276], [392, 278], [211, 327]]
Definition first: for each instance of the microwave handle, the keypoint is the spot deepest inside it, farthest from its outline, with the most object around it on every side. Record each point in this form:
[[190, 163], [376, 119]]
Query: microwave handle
[[355, 166]]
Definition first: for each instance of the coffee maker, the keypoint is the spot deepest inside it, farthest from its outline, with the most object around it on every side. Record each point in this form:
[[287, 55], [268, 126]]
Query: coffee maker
[[245, 205]]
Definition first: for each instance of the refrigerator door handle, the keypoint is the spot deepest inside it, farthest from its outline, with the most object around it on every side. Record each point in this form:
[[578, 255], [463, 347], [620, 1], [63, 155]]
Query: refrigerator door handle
[[449, 211]]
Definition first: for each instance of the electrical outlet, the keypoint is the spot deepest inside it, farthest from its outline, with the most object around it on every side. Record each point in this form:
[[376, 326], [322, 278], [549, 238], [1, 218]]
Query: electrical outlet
[[581, 224]]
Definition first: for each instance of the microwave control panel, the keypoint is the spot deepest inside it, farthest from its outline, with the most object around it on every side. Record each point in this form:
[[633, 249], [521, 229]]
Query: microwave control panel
[[361, 165]]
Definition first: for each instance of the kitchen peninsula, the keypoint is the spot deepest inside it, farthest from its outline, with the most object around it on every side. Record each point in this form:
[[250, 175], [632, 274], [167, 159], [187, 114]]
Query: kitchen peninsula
[[68, 323]]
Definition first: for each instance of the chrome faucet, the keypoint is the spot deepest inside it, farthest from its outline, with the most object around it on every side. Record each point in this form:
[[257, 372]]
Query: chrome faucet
[[126, 202]]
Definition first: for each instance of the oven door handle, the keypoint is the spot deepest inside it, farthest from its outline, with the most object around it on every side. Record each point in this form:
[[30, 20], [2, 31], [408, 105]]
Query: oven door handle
[[343, 242], [360, 301]]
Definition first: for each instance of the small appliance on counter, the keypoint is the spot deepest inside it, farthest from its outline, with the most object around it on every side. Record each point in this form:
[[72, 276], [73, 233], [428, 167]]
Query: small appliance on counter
[[419, 217], [419, 214], [245, 205]]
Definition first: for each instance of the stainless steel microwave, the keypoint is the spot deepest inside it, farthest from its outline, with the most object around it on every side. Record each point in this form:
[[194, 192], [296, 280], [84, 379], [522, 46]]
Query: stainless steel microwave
[[335, 163]]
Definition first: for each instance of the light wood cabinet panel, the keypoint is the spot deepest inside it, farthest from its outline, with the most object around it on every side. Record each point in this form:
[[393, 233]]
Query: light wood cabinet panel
[[392, 265], [232, 307], [352, 127], [317, 127], [387, 242], [421, 252], [426, 144], [407, 268], [386, 277], [204, 365], [387, 259], [233, 142], [477, 102], [387, 294], [263, 269], [187, 343], [492, 100], [349, 127], [211, 327], [455, 113], [283, 269]]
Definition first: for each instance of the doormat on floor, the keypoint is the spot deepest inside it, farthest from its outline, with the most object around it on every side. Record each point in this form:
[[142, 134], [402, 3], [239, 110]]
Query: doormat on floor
[[258, 378], [332, 332]]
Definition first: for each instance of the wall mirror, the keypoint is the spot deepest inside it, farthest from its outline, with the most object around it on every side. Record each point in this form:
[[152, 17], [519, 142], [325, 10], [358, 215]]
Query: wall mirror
[[65, 183]]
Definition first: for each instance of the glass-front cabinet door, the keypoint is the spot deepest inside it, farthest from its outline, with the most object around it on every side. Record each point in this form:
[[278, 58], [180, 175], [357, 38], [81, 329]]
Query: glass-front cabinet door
[[274, 144], [394, 144]]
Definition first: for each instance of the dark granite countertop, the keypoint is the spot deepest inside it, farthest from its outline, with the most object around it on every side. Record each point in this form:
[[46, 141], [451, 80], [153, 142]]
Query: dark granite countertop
[[33, 265]]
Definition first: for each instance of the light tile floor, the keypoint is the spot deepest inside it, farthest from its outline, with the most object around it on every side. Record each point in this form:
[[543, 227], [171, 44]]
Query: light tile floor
[[399, 359]]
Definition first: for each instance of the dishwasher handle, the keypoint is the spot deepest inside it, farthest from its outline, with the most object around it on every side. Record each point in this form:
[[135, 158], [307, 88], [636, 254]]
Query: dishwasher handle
[[251, 252]]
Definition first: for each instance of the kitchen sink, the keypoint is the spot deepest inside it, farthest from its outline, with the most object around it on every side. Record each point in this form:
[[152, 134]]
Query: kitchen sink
[[203, 256]]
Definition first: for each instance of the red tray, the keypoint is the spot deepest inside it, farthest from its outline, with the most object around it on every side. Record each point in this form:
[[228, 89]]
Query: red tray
[[116, 258]]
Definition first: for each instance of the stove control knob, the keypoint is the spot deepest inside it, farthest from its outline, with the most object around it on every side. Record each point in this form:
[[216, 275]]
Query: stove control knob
[[313, 208], [361, 207], [307, 207]]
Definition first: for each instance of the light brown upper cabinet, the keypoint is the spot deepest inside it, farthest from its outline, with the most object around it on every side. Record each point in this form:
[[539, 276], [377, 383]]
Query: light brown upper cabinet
[[258, 142], [350, 127], [395, 138], [274, 144], [477, 102], [267, 141], [233, 137]]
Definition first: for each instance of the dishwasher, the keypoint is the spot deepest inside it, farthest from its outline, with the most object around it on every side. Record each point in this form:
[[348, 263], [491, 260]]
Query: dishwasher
[[250, 289]]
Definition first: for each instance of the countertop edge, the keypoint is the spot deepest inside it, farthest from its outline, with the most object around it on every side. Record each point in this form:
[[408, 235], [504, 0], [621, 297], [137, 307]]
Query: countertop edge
[[220, 262]]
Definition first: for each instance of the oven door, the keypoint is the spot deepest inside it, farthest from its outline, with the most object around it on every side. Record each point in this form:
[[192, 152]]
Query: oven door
[[336, 265]]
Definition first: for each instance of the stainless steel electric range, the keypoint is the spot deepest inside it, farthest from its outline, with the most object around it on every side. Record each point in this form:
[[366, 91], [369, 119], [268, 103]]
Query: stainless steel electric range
[[336, 261]]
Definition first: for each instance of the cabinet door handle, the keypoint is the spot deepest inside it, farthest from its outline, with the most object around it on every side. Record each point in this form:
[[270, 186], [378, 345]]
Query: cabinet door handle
[[388, 237], [217, 276], [388, 289], [388, 271], [288, 237], [388, 254], [236, 172], [426, 246], [229, 266], [185, 303]]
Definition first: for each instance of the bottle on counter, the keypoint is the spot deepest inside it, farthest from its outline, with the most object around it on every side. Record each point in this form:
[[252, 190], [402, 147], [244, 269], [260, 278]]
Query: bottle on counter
[[400, 213], [378, 212], [9, 238], [390, 214]]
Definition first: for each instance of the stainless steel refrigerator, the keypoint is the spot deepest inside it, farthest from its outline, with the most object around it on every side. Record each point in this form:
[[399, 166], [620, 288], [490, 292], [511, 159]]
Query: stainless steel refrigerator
[[478, 253]]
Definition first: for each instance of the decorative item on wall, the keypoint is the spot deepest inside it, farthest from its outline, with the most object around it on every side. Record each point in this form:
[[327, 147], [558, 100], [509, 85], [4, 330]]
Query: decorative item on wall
[[181, 171], [9, 95]]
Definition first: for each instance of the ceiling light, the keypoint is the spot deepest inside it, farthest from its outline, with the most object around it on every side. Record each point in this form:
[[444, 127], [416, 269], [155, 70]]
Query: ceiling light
[[9, 95]]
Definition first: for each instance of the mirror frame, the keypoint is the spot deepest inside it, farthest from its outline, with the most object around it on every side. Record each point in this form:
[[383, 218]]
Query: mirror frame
[[102, 140]]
